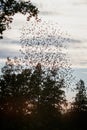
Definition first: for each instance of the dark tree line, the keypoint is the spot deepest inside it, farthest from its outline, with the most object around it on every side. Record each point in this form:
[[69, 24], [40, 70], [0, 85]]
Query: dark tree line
[[9, 8], [33, 99], [35, 93]]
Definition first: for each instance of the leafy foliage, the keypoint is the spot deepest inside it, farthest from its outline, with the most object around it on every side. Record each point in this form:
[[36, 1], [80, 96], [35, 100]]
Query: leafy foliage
[[8, 8]]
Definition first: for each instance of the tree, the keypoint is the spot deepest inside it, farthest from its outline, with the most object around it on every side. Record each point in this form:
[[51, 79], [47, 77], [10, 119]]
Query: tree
[[80, 103], [36, 86], [13, 87], [53, 95], [36, 93], [8, 8]]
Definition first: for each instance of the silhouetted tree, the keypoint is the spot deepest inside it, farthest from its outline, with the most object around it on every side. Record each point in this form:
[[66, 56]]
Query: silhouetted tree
[[53, 94], [13, 87], [8, 8], [80, 103], [77, 116], [52, 98], [35, 84], [33, 97]]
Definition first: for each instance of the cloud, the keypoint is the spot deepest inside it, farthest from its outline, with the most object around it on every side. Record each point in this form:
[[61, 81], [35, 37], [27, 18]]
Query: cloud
[[8, 48], [49, 13], [8, 53]]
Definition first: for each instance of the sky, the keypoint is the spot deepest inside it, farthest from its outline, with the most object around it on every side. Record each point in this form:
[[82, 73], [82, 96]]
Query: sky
[[71, 16]]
